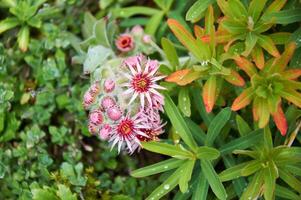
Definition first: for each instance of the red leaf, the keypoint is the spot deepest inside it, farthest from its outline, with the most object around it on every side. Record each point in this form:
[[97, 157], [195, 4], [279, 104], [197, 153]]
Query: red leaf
[[280, 120], [243, 99]]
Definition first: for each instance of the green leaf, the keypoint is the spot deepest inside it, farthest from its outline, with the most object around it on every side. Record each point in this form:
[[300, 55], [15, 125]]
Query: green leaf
[[267, 138], [252, 167], [250, 43], [88, 27], [217, 125], [23, 38], [178, 123], [197, 10], [100, 33], [243, 142], [201, 189], [185, 37], [242, 126], [157, 168], [213, 179], [207, 153], [186, 175], [164, 4], [93, 60], [285, 193], [169, 184], [270, 180], [184, 101], [65, 193], [292, 181], [254, 188], [170, 52], [255, 9], [285, 16], [134, 10], [232, 172], [8, 23], [196, 131], [167, 149], [153, 23], [43, 194]]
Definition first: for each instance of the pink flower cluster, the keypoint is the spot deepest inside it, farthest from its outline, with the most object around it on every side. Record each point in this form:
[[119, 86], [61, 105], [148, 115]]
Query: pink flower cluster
[[125, 125]]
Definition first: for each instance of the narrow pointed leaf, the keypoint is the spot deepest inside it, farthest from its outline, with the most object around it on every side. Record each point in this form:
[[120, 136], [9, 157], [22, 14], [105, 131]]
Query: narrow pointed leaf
[[269, 182], [232, 172], [280, 37], [291, 74], [209, 93], [285, 16], [185, 37], [243, 99], [253, 189], [169, 184], [267, 43], [258, 57], [252, 167], [234, 78], [250, 43], [179, 123], [157, 168], [263, 113], [217, 125], [242, 126], [186, 175], [292, 181], [207, 153], [197, 10], [213, 179], [23, 38], [202, 187], [167, 149], [292, 96], [280, 120], [243, 142], [255, 8], [170, 52], [8, 23], [280, 63], [286, 193], [245, 65], [275, 6], [184, 101]]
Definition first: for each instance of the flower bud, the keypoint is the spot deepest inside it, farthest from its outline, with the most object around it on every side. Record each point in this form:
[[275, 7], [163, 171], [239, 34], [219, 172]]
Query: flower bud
[[114, 113], [96, 117], [105, 131], [107, 102], [109, 85], [88, 100]]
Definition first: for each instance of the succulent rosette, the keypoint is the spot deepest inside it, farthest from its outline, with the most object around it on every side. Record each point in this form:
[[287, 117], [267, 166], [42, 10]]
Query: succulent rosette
[[124, 103]]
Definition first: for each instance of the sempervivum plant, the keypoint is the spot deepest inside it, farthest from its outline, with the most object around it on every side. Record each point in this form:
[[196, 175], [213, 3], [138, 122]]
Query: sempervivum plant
[[268, 87], [124, 104]]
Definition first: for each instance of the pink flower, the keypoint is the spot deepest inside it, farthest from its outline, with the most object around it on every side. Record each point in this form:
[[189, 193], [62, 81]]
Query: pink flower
[[109, 85], [105, 132], [114, 113], [125, 42], [107, 102], [143, 80], [96, 117], [125, 133]]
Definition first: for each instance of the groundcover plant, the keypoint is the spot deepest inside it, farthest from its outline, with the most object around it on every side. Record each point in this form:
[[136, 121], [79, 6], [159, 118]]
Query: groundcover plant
[[150, 99]]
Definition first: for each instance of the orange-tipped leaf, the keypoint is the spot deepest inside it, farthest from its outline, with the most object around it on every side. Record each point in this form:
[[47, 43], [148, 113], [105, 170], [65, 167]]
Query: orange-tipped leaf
[[234, 78], [209, 93], [245, 65], [243, 99], [280, 120]]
